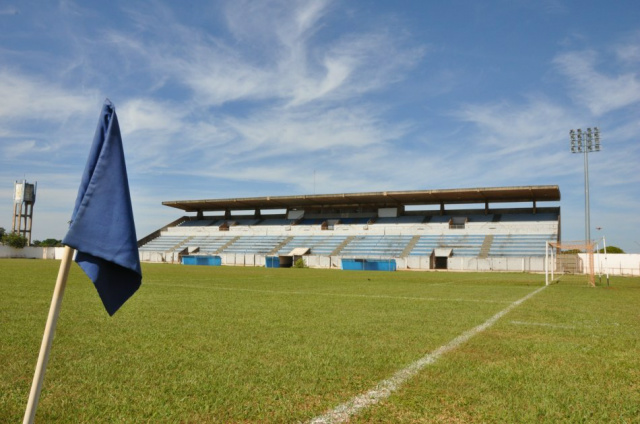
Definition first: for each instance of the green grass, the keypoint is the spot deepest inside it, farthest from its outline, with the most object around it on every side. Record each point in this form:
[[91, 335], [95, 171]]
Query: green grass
[[224, 344]]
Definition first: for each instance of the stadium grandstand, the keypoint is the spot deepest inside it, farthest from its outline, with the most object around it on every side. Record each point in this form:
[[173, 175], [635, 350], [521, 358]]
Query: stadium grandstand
[[474, 229]]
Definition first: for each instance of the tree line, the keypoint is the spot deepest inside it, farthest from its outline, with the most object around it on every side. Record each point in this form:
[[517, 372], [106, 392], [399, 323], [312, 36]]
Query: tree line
[[18, 241]]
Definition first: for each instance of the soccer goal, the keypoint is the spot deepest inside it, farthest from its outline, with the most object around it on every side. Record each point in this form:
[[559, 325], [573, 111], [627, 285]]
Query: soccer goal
[[570, 258]]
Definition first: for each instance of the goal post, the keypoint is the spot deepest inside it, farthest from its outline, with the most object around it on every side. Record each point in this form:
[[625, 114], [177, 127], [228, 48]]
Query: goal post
[[573, 257]]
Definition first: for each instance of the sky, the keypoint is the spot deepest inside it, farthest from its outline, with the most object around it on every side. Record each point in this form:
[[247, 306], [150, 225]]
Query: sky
[[220, 99]]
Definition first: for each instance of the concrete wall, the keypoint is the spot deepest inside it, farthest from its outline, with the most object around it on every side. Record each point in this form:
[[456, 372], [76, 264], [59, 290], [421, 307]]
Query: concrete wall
[[616, 264], [523, 264], [163, 257], [27, 252], [512, 264]]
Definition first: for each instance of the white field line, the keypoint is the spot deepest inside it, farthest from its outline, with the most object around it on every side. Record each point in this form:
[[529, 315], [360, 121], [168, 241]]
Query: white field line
[[311, 293], [385, 388]]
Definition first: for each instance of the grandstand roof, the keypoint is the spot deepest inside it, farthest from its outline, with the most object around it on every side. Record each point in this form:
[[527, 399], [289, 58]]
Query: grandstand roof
[[382, 199]]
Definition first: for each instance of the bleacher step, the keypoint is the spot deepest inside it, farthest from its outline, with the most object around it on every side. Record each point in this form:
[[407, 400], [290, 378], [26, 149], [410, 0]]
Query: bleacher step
[[412, 243], [177, 246], [280, 246], [486, 246], [227, 244], [341, 246]]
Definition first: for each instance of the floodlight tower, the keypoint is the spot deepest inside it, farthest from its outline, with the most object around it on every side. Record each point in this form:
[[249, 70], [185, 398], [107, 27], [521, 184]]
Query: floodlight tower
[[585, 142]]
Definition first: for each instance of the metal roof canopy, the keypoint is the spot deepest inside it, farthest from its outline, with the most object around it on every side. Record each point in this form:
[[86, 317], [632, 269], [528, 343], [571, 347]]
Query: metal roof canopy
[[547, 193]]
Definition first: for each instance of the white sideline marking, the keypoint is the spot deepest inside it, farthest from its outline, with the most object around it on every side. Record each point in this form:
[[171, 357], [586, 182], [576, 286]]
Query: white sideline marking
[[385, 388], [311, 293]]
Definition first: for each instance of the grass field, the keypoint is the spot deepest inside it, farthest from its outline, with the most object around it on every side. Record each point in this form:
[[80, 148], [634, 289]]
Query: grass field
[[224, 344]]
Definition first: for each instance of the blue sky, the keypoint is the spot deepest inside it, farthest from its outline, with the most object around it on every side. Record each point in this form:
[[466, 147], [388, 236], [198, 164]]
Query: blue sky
[[238, 98]]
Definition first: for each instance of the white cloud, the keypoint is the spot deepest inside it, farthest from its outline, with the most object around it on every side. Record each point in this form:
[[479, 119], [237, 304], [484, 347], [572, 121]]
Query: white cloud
[[24, 147], [140, 114], [628, 53], [508, 128], [312, 130], [597, 91], [9, 11], [31, 98], [280, 54]]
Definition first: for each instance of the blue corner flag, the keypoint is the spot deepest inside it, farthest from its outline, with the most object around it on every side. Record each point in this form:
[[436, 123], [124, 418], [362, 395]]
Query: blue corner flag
[[102, 228]]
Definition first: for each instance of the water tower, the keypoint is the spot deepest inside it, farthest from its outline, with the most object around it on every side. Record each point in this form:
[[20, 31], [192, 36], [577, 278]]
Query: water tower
[[24, 198]]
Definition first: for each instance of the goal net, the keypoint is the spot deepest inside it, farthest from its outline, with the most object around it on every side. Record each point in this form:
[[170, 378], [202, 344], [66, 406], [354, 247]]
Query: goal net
[[570, 258]]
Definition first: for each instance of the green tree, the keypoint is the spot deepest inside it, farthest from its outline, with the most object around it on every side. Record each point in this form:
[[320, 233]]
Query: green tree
[[50, 242], [2, 231], [611, 249], [14, 240]]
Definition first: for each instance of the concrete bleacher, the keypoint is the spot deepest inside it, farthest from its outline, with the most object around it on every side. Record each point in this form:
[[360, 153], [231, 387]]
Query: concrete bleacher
[[311, 221], [164, 243], [275, 221], [518, 245], [376, 246], [208, 244], [354, 221], [254, 244], [199, 223], [319, 244], [399, 220], [462, 245], [475, 235]]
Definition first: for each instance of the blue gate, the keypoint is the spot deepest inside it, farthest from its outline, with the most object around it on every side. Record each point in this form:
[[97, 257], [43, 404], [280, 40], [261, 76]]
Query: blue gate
[[369, 264], [202, 260]]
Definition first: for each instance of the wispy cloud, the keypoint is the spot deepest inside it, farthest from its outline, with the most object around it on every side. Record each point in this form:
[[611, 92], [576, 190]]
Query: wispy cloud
[[30, 147], [9, 10], [506, 127], [301, 65], [303, 92], [34, 98], [598, 91]]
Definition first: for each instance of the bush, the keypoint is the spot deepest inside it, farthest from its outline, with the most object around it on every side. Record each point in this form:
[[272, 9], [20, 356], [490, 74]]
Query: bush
[[299, 263], [14, 240]]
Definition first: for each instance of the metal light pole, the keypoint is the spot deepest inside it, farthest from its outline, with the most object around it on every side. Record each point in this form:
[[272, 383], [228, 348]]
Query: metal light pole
[[585, 142]]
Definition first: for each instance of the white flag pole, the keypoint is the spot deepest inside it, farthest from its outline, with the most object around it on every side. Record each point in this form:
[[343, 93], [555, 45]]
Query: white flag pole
[[47, 339]]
